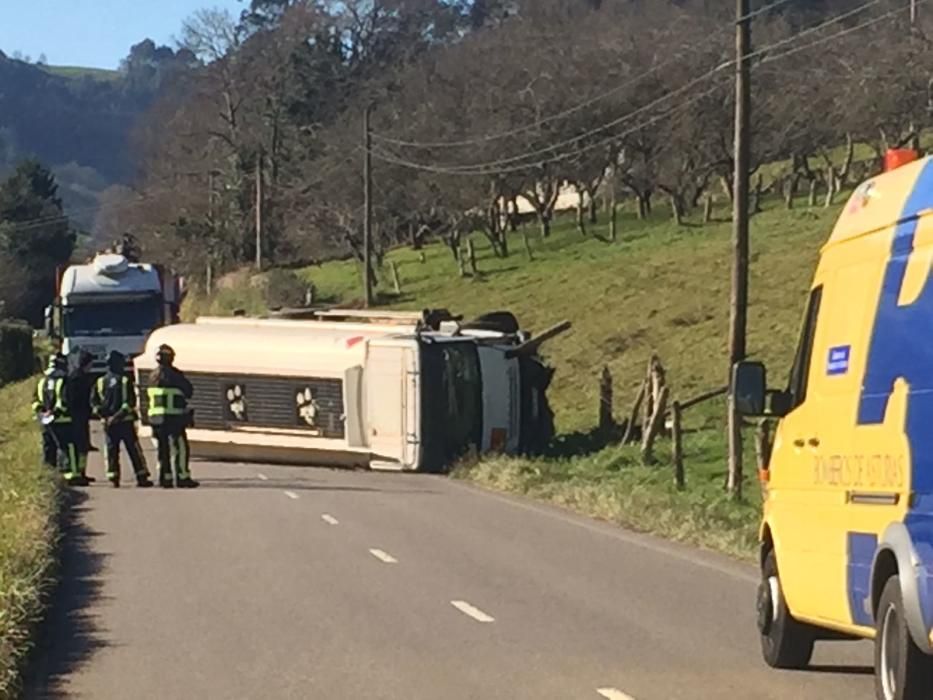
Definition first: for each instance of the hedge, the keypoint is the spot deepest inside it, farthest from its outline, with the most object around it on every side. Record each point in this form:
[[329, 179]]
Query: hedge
[[17, 357]]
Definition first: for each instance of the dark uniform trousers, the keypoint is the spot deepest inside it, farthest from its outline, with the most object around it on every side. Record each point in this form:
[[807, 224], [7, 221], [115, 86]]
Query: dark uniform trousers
[[123, 434], [172, 438]]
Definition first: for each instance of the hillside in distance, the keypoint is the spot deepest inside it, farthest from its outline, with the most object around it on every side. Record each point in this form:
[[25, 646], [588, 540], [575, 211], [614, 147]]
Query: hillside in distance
[[78, 121]]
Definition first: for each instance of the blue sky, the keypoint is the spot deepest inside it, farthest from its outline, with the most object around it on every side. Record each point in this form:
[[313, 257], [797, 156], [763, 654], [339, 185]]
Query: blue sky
[[93, 33]]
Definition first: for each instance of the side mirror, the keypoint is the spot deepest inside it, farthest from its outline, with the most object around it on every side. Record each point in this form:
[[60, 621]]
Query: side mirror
[[49, 326], [749, 388]]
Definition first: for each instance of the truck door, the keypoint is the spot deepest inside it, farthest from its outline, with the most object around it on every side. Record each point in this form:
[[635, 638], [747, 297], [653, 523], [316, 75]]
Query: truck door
[[390, 375]]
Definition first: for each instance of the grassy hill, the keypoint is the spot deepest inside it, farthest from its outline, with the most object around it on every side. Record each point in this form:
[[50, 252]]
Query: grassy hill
[[80, 72], [658, 288]]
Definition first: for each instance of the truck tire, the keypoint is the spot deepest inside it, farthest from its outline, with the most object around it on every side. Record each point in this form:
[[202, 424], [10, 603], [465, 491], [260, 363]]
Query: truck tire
[[902, 670], [498, 321], [785, 642]]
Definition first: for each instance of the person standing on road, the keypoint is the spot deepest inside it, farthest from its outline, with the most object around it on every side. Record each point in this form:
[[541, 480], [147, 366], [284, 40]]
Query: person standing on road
[[80, 385], [49, 449], [114, 401], [55, 413], [168, 394]]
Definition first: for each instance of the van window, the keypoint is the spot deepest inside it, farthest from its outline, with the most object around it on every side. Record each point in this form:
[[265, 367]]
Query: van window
[[800, 372]]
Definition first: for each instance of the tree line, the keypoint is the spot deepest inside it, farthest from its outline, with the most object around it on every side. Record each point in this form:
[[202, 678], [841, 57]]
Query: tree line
[[479, 102]]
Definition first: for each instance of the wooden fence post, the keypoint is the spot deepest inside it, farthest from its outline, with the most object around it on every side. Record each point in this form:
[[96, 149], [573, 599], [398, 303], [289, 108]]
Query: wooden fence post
[[633, 415], [677, 446], [605, 402], [527, 243], [708, 209], [654, 428], [471, 252], [396, 281]]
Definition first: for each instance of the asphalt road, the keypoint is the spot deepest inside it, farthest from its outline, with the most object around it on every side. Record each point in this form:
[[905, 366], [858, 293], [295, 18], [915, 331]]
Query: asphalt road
[[275, 582]]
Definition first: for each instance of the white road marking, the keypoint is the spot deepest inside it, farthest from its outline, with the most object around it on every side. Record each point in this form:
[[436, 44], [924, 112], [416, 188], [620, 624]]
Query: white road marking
[[614, 694], [470, 611], [383, 556], [292, 495], [329, 519], [262, 477]]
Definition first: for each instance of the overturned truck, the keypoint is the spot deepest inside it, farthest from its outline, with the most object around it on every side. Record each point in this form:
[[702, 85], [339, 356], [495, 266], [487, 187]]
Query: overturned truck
[[392, 391]]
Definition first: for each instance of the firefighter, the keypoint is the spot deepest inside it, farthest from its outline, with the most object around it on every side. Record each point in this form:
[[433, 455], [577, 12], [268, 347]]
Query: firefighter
[[80, 385], [114, 401], [168, 394], [49, 449], [55, 413]]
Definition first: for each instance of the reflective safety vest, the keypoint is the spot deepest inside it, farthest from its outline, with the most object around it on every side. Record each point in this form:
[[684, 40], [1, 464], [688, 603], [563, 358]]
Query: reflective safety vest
[[166, 401], [114, 397], [50, 398]]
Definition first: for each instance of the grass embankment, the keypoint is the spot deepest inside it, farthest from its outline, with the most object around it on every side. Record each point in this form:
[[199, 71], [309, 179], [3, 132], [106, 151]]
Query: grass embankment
[[658, 288], [81, 72], [29, 499]]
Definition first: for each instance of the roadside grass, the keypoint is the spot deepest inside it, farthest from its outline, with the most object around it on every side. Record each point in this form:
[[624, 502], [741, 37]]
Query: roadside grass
[[659, 288], [29, 505], [614, 485]]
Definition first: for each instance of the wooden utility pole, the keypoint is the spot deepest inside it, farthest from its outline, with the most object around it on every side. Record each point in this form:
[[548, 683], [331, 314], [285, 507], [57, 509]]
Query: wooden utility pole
[[212, 223], [259, 213], [368, 207], [738, 312]]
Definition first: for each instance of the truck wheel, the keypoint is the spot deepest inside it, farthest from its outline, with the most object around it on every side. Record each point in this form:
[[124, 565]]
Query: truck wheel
[[902, 670], [785, 642]]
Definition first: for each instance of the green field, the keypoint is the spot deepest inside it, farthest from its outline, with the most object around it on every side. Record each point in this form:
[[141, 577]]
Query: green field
[[659, 288], [79, 72], [29, 498]]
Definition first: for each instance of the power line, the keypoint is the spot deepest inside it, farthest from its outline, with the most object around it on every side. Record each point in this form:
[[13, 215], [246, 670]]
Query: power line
[[605, 95], [388, 157], [844, 32], [762, 10], [497, 165], [568, 142], [488, 138]]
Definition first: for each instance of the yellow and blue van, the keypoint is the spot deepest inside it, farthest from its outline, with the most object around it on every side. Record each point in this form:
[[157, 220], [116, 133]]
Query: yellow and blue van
[[847, 528]]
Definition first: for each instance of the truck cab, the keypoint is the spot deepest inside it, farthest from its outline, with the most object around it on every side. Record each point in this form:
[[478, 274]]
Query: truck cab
[[111, 304]]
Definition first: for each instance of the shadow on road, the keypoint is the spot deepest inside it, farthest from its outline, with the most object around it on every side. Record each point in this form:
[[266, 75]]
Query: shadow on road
[[69, 638], [291, 485], [841, 670]]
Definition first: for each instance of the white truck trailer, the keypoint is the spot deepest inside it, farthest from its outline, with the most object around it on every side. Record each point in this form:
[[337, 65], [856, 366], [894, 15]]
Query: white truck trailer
[[392, 392], [112, 304]]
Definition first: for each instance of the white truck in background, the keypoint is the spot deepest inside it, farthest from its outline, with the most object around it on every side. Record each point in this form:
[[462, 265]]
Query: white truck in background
[[110, 304]]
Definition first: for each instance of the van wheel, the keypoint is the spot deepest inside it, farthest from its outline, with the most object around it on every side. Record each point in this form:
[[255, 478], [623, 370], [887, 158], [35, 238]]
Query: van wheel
[[902, 670], [785, 642]]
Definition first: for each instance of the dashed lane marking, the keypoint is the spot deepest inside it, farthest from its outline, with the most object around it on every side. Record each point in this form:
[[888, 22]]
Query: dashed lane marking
[[383, 556], [292, 495], [614, 694], [471, 611], [329, 519]]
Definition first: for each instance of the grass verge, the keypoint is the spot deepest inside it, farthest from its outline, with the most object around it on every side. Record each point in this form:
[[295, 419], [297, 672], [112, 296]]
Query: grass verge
[[612, 484], [29, 504]]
